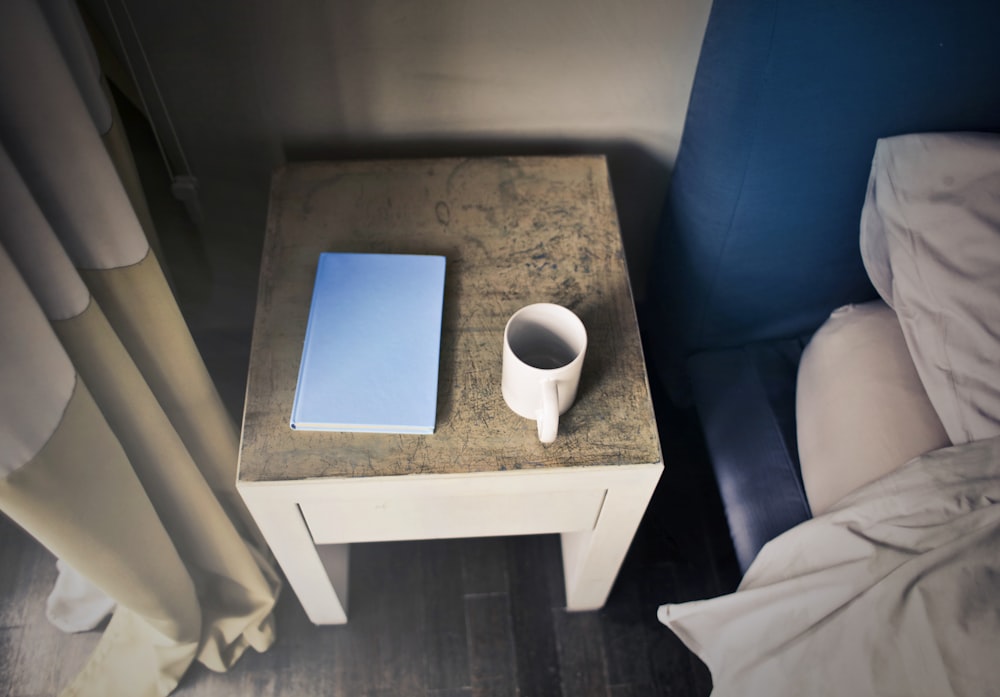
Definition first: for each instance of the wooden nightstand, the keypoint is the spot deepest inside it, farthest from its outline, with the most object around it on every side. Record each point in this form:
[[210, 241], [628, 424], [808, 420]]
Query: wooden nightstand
[[514, 231]]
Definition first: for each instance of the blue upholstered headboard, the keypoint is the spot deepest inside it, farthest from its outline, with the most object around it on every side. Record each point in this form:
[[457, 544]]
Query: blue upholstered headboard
[[760, 234], [760, 237]]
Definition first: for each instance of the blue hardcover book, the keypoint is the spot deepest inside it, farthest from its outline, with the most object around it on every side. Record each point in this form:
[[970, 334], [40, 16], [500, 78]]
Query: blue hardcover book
[[372, 346]]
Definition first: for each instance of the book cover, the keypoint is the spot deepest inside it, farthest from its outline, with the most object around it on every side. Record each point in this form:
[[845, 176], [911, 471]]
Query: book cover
[[372, 345]]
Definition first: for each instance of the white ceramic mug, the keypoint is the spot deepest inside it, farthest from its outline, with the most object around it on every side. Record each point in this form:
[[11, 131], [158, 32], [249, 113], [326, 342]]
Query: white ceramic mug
[[543, 349]]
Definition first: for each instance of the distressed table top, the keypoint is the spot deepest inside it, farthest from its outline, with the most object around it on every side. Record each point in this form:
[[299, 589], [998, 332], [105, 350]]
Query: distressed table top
[[515, 231]]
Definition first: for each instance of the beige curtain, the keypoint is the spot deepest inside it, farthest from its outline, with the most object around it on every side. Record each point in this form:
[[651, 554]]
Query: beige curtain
[[115, 450]]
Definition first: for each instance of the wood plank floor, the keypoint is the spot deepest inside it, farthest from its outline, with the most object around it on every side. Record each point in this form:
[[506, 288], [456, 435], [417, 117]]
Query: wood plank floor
[[478, 617]]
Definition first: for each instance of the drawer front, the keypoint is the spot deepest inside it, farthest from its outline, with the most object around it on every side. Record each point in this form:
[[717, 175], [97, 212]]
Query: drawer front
[[338, 521]]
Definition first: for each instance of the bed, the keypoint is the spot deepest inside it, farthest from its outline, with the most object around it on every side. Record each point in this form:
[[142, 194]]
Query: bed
[[826, 294]]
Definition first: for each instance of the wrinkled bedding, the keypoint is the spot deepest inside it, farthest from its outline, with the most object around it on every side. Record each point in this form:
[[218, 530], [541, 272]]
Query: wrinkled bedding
[[894, 591]]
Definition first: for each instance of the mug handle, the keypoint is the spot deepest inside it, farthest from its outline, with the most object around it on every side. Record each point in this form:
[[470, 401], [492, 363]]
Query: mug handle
[[548, 415]]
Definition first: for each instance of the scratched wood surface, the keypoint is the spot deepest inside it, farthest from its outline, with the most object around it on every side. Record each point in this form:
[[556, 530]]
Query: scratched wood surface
[[514, 231]]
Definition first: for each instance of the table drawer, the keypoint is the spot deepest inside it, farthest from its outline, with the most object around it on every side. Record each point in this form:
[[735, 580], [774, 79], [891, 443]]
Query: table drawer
[[478, 515]]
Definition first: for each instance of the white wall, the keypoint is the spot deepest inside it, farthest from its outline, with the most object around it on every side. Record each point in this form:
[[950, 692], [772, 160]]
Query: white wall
[[249, 84]]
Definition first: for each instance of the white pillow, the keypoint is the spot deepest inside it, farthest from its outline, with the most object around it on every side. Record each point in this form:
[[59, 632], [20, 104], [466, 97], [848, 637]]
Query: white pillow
[[930, 240], [861, 410]]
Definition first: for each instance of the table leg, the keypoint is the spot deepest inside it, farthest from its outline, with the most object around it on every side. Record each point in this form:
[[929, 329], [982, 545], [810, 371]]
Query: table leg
[[591, 558], [317, 575]]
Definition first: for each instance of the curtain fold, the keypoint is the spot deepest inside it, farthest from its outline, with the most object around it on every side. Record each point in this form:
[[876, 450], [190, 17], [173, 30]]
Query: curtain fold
[[116, 452]]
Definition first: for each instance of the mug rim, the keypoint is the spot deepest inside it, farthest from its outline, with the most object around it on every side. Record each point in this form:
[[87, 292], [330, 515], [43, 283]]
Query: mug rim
[[578, 342]]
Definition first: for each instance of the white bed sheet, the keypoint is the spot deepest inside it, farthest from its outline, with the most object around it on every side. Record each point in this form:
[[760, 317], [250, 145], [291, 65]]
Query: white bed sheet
[[894, 591]]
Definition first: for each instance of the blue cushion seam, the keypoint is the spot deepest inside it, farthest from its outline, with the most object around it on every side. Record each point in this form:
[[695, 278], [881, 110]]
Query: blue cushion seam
[[700, 333]]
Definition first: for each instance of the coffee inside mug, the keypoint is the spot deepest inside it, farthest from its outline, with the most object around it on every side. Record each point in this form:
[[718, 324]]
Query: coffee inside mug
[[539, 346]]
